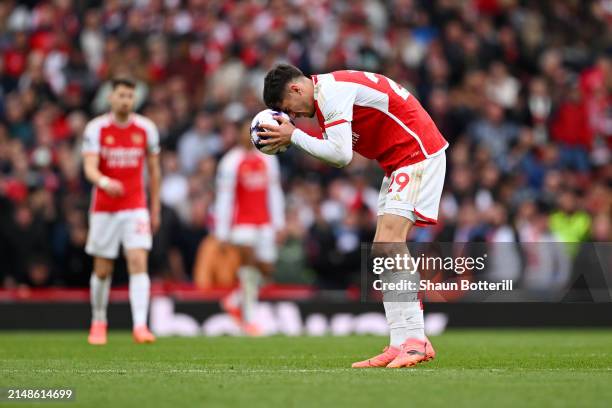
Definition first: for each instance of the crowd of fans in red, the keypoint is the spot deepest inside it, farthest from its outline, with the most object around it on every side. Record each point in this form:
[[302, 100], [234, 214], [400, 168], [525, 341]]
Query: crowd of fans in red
[[522, 89]]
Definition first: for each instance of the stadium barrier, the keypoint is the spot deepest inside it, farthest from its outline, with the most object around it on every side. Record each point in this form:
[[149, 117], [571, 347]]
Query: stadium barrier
[[285, 310]]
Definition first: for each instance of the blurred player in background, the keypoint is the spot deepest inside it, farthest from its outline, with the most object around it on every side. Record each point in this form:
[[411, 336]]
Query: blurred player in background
[[249, 213], [115, 147], [372, 115]]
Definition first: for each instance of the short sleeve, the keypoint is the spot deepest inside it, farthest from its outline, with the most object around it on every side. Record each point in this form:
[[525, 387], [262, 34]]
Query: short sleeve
[[91, 138], [335, 100], [152, 137]]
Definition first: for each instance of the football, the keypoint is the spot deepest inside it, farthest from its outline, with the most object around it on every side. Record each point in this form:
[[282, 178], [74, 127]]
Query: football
[[265, 116]]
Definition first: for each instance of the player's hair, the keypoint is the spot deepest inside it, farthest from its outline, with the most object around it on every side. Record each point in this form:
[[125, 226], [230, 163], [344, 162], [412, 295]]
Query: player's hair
[[115, 82], [276, 81]]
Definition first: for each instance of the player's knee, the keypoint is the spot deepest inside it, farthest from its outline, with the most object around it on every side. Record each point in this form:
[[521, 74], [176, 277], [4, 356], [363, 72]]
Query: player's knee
[[390, 233], [137, 261], [393, 228], [103, 268], [247, 255]]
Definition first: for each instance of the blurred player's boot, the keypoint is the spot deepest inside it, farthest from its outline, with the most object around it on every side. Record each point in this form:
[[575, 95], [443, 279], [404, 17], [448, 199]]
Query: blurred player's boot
[[389, 353], [412, 352], [142, 334], [97, 334], [231, 305], [251, 329]]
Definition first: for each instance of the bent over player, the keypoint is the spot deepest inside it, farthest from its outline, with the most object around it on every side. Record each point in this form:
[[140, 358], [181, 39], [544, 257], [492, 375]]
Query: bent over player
[[115, 147], [374, 116], [249, 213]]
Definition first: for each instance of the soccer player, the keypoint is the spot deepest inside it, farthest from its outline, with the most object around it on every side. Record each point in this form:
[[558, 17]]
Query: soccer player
[[115, 147], [374, 116], [249, 213]]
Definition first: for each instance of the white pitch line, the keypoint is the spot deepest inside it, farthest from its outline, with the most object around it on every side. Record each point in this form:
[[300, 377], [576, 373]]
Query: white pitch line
[[295, 370]]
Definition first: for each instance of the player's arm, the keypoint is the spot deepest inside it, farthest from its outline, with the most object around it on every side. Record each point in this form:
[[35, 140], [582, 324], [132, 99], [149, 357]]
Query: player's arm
[[224, 202], [91, 161], [154, 172], [336, 103], [335, 149], [276, 200], [111, 186]]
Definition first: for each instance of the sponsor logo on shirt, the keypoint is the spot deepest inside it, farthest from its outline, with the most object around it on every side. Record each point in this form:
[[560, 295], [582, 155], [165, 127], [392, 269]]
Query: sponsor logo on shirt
[[121, 157]]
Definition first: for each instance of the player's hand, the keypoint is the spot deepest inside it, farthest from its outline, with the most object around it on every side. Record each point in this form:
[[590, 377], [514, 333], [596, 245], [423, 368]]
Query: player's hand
[[155, 220], [277, 136], [112, 187]]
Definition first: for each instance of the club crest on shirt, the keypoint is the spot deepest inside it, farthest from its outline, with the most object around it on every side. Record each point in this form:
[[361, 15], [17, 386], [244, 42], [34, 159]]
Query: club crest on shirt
[[110, 139], [137, 138]]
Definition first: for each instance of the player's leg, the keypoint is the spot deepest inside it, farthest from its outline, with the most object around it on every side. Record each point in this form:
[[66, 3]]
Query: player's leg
[[250, 280], [420, 201], [99, 290], [103, 244], [265, 254], [137, 242], [410, 195], [241, 303], [402, 308]]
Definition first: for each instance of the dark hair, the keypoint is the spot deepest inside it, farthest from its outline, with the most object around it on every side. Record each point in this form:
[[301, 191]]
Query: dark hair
[[275, 83], [115, 82]]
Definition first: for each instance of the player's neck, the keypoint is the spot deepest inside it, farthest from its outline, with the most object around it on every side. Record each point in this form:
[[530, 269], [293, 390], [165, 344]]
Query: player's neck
[[120, 119]]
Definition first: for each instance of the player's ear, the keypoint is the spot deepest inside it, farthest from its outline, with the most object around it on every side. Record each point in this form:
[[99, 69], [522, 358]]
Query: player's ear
[[295, 87]]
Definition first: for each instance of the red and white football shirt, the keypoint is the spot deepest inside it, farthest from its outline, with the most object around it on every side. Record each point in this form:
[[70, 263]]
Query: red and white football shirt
[[122, 149], [388, 123], [248, 191]]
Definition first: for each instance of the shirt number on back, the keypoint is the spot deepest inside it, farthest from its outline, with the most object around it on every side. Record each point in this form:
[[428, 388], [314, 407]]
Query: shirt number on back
[[397, 88]]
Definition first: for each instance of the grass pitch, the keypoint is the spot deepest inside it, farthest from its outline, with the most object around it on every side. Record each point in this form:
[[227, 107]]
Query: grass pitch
[[473, 368]]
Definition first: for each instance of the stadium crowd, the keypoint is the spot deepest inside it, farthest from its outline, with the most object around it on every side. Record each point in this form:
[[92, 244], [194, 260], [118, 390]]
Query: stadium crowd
[[522, 90]]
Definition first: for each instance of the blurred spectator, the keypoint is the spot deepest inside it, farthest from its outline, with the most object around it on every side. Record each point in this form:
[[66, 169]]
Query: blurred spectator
[[571, 129], [547, 261], [504, 251], [569, 224], [198, 142]]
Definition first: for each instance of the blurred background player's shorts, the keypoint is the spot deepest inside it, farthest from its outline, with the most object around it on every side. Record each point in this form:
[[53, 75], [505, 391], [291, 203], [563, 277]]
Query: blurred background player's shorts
[[414, 191], [259, 237], [130, 228]]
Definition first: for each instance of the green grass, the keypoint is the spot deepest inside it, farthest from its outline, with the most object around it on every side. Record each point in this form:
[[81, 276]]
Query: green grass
[[474, 368]]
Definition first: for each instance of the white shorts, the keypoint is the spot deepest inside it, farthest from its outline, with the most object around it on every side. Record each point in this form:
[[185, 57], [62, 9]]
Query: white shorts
[[414, 191], [130, 228], [259, 237]]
